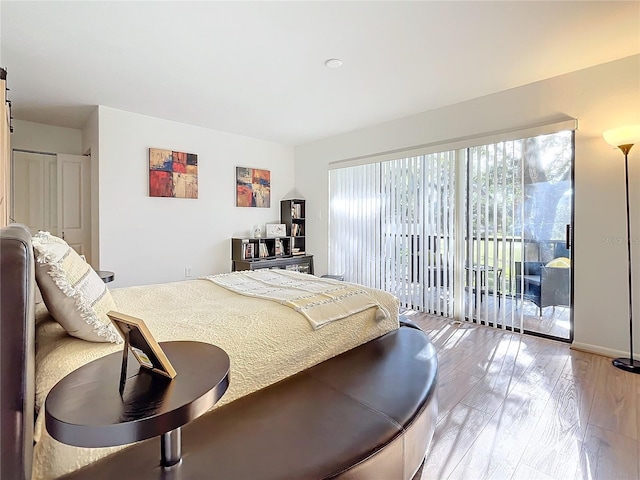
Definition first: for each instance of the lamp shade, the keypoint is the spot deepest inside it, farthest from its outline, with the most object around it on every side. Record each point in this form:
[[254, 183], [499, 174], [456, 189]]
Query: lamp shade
[[627, 135]]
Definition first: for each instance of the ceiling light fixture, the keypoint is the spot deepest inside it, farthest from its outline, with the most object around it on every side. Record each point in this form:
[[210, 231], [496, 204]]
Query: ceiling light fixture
[[333, 63]]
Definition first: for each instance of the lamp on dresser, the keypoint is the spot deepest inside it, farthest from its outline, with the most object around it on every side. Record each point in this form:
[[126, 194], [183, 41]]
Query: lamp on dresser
[[624, 138]]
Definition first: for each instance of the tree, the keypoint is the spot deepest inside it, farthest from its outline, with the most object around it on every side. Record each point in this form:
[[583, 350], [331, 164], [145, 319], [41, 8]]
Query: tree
[[547, 179]]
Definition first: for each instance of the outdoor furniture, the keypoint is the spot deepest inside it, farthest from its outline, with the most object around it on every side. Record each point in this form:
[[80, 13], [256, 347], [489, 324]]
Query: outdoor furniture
[[545, 286], [485, 271]]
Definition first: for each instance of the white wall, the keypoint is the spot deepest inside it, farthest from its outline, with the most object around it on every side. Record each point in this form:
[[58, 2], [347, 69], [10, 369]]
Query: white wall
[[151, 240], [601, 97], [45, 138]]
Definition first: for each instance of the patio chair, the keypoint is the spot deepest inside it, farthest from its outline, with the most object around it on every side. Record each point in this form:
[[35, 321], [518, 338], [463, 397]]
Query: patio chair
[[544, 285]]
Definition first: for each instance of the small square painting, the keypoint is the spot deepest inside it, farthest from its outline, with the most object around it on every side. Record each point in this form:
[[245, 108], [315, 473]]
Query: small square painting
[[253, 187], [173, 174]]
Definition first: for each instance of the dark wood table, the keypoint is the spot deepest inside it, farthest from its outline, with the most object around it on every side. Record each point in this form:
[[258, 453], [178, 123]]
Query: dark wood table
[[85, 408], [106, 276]]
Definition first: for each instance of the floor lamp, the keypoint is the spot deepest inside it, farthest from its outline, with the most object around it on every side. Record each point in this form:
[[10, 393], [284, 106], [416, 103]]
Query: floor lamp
[[624, 138]]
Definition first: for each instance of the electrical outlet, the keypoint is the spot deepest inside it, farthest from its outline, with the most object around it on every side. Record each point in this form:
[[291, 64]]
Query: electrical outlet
[[187, 272]]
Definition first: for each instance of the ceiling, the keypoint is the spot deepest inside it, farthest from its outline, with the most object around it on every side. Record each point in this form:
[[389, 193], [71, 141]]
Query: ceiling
[[257, 68]]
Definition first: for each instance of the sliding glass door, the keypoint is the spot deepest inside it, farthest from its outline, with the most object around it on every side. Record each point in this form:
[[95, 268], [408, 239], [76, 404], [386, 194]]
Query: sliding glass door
[[519, 204], [480, 234]]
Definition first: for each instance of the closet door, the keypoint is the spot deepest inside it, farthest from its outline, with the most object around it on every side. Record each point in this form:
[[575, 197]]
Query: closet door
[[51, 193], [74, 201], [35, 191]]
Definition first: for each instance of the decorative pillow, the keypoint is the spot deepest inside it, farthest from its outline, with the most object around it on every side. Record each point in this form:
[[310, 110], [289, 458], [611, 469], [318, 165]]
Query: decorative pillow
[[72, 291], [560, 262]]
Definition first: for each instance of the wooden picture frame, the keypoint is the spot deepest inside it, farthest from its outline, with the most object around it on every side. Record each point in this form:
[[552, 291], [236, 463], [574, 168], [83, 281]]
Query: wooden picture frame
[[139, 340]]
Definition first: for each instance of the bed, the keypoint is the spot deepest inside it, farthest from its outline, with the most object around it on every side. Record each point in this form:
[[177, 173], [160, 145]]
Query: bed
[[266, 341]]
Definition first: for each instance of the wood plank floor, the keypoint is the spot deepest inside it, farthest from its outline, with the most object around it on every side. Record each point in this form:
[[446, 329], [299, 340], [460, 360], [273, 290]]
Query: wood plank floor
[[520, 407], [555, 321]]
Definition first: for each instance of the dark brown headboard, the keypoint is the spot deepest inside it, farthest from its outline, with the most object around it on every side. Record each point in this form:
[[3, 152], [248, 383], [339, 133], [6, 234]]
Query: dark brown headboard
[[17, 352]]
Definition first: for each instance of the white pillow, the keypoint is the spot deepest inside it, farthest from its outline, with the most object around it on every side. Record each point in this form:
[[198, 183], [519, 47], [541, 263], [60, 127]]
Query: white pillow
[[72, 291]]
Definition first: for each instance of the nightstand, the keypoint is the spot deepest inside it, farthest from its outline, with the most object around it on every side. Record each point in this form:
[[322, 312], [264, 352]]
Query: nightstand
[[106, 276], [86, 409]]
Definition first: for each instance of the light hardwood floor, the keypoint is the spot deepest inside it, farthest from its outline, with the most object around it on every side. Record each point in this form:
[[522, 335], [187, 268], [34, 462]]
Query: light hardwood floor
[[520, 407], [555, 321]]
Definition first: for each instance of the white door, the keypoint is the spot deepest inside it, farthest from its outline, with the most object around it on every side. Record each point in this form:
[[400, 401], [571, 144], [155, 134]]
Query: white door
[[74, 202], [35, 197]]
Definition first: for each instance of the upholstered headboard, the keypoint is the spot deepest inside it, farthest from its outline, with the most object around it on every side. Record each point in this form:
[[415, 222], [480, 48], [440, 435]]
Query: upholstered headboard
[[17, 352]]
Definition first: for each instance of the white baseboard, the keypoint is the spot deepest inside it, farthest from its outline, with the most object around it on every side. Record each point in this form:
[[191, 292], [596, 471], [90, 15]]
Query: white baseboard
[[605, 352]]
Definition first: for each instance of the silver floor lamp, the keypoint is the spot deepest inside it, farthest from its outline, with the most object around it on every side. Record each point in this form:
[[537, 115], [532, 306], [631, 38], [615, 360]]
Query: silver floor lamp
[[624, 138]]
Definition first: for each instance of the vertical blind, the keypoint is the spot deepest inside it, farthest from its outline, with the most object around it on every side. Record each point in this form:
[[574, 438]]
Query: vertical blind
[[493, 232], [449, 233], [391, 226], [355, 228]]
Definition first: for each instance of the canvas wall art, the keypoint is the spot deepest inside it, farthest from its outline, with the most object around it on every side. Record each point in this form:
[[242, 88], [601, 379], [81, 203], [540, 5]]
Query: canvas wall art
[[173, 174], [253, 187]]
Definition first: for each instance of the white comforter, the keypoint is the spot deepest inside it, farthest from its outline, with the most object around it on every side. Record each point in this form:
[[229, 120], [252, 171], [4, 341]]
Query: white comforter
[[266, 342]]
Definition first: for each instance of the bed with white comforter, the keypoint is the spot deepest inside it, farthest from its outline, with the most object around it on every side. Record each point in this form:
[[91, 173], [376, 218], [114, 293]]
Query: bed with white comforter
[[266, 341]]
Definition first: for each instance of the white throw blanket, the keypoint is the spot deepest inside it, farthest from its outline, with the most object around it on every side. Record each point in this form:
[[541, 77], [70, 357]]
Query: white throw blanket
[[319, 300]]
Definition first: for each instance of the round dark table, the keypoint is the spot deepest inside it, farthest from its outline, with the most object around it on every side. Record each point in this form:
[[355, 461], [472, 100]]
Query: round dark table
[[86, 409], [106, 275]]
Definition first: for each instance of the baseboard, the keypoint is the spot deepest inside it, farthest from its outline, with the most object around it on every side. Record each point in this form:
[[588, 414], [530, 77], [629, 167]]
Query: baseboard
[[605, 352]]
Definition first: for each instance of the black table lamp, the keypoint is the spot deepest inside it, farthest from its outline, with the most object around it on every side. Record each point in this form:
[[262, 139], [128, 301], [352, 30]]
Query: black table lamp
[[624, 138]]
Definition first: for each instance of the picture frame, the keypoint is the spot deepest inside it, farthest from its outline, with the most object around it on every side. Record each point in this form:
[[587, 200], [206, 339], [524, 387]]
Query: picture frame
[[172, 174], [253, 187], [278, 248], [276, 230], [140, 342]]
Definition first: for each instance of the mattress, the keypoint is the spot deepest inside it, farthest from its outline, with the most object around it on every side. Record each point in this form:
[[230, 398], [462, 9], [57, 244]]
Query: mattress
[[265, 340]]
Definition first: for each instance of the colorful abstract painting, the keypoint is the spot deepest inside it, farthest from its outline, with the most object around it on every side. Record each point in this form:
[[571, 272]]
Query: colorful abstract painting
[[173, 174], [253, 187]]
